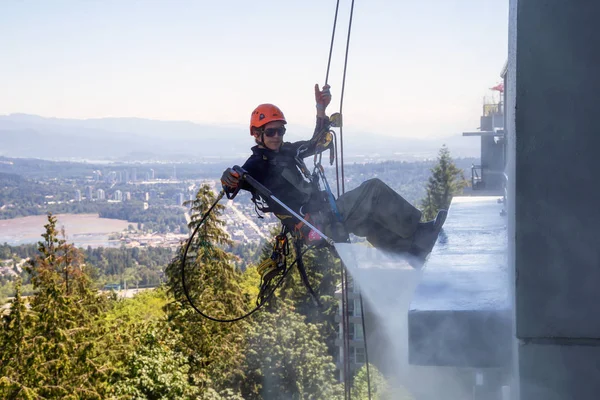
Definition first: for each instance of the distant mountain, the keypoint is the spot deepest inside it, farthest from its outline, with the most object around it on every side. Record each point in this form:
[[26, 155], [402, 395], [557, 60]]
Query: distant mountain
[[23, 135]]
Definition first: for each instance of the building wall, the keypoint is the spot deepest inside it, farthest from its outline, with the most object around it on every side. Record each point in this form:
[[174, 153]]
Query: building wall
[[555, 197]]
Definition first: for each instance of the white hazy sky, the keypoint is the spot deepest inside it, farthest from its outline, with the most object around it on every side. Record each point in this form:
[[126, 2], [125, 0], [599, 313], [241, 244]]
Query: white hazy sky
[[416, 68]]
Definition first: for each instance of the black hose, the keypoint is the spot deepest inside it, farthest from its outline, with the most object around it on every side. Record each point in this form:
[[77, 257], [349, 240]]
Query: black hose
[[185, 290]]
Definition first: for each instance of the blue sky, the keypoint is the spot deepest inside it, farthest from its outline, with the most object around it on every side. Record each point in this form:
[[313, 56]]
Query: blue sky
[[415, 68]]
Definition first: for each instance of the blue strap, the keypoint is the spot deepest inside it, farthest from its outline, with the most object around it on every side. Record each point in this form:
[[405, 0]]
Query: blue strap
[[330, 196]]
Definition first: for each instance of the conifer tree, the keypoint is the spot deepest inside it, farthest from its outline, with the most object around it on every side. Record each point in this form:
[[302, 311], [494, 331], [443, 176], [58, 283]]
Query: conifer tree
[[13, 347], [64, 357], [214, 285], [446, 181]]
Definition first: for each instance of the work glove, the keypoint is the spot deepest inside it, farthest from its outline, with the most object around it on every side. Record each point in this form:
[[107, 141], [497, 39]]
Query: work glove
[[230, 179], [322, 97]]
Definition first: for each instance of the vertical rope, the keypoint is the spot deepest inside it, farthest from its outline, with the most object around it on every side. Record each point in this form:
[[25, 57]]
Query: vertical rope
[[342, 94], [337, 6], [362, 317], [346, 328]]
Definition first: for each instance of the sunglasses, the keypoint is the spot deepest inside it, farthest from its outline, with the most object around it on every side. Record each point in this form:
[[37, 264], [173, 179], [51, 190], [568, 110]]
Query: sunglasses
[[270, 132]]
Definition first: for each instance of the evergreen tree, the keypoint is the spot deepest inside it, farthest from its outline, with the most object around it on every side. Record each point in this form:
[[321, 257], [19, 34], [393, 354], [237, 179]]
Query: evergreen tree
[[64, 358], [214, 349], [13, 347], [446, 181]]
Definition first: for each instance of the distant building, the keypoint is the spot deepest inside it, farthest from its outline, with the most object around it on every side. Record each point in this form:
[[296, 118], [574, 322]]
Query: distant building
[[147, 196], [77, 195], [145, 206], [174, 172], [118, 195], [151, 173], [89, 194], [125, 176], [110, 177], [179, 198], [128, 196], [489, 175], [133, 175], [100, 194]]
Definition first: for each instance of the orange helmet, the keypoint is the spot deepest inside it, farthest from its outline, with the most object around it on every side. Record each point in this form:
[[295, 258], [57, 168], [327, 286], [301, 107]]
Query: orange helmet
[[265, 113]]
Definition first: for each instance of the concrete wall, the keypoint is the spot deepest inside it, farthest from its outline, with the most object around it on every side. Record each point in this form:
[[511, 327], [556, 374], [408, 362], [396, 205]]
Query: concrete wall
[[555, 63]]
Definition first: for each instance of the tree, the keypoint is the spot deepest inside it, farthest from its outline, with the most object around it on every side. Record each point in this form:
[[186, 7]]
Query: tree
[[214, 349], [286, 358], [65, 357], [380, 388], [446, 181], [13, 347], [154, 370]]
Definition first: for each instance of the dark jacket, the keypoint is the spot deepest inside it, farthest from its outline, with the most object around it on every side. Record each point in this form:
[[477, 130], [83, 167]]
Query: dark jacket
[[281, 172]]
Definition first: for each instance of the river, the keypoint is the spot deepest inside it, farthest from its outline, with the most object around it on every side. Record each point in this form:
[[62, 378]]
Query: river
[[81, 229]]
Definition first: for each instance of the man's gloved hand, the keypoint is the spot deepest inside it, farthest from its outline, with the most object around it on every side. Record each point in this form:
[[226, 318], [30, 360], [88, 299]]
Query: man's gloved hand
[[230, 178], [322, 97]]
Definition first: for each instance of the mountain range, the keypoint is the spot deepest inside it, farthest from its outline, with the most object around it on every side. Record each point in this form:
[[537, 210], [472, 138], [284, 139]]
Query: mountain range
[[136, 139]]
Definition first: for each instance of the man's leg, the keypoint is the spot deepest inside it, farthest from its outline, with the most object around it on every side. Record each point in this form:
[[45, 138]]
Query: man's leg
[[373, 206], [389, 222]]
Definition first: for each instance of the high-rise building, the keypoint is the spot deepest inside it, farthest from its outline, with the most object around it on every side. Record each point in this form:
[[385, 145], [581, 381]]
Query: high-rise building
[[77, 195], [133, 175], [151, 173], [174, 172], [180, 198], [128, 196], [125, 176], [111, 177], [100, 194], [147, 196], [118, 195], [89, 194]]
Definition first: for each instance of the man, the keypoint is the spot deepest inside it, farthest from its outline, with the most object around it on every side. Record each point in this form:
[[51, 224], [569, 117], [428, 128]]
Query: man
[[372, 210]]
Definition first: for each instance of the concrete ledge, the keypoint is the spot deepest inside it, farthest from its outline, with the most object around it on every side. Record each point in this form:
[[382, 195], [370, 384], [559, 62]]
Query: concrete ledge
[[460, 314]]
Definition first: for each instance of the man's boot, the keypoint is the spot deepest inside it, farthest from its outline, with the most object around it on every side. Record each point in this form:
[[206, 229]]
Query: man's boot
[[426, 235]]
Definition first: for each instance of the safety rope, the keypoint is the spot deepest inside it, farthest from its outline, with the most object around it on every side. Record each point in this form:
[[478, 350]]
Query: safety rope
[[344, 277], [337, 6]]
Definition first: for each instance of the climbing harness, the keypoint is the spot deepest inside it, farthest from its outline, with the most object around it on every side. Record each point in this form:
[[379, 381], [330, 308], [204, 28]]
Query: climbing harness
[[274, 266]]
